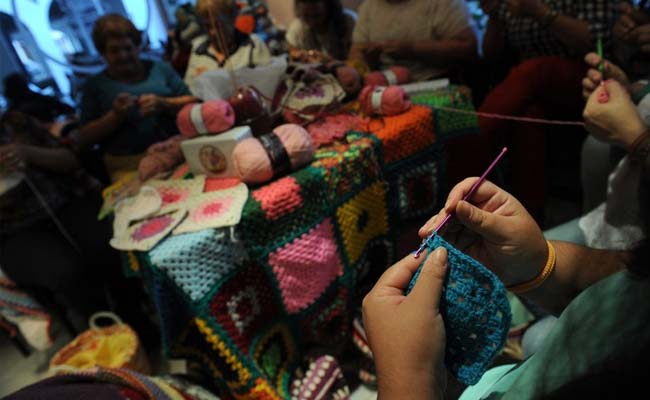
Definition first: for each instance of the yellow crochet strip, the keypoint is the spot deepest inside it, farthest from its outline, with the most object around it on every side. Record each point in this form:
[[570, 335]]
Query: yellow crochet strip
[[261, 391], [224, 352], [372, 200]]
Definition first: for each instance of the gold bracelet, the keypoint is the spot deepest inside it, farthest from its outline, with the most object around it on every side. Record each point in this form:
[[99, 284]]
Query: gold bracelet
[[539, 279]]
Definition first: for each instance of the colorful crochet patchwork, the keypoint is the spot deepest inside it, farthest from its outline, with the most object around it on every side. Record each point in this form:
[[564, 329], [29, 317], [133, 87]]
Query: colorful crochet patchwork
[[449, 124], [415, 185], [144, 235], [263, 236], [396, 145], [274, 354], [197, 261], [255, 307], [348, 167], [306, 266], [476, 313], [362, 219], [279, 198], [327, 322], [244, 304], [214, 209]]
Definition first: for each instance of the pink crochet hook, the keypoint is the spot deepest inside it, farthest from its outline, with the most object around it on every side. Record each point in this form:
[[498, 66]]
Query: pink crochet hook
[[467, 196]]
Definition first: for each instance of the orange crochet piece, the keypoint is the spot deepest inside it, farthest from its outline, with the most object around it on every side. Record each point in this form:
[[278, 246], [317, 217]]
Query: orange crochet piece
[[406, 134]]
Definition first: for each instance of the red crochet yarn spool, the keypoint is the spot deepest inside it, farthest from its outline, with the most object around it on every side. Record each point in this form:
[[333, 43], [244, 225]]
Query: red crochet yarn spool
[[250, 109]]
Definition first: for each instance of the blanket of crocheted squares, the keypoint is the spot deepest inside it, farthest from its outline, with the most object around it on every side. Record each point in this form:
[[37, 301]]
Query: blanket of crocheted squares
[[476, 313], [253, 303]]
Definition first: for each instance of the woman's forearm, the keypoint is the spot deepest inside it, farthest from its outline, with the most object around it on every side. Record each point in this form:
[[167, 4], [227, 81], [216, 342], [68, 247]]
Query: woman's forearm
[[97, 130], [576, 268]]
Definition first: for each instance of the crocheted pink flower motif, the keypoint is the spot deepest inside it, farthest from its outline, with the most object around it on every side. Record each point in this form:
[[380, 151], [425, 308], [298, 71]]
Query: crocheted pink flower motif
[[151, 228], [170, 195], [212, 209]]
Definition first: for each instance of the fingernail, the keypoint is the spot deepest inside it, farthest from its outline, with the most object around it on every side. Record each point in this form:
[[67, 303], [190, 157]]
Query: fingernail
[[441, 257]]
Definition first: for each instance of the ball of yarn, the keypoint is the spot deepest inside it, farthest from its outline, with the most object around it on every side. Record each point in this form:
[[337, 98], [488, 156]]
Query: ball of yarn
[[253, 163], [378, 100], [161, 157], [394, 75], [213, 116], [349, 79]]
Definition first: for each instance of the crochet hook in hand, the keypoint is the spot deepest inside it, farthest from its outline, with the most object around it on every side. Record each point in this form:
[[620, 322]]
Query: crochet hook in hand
[[467, 196], [604, 95]]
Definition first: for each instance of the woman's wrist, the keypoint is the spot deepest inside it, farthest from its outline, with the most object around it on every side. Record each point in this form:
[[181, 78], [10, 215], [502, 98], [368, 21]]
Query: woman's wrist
[[631, 136]]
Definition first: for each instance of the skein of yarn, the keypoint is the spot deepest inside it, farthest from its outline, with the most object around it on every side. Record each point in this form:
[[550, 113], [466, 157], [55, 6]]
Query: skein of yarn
[[379, 100], [161, 157], [394, 75], [250, 109], [211, 117], [258, 160]]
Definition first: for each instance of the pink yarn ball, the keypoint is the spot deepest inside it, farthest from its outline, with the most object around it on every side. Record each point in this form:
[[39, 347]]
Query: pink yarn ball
[[253, 164], [379, 78], [215, 116], [394, 100]]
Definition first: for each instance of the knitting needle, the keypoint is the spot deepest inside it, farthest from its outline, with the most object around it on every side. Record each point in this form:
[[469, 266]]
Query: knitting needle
[[467, 196]]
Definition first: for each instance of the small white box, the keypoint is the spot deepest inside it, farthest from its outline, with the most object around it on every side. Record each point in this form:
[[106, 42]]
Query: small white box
[[212, 155]]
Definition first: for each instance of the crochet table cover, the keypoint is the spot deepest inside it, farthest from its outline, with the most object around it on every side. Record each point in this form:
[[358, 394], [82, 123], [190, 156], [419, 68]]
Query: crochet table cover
[[255, 303]]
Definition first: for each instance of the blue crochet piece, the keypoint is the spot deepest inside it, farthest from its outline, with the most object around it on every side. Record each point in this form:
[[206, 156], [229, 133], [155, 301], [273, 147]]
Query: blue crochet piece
[[476, 313], [196, 261]]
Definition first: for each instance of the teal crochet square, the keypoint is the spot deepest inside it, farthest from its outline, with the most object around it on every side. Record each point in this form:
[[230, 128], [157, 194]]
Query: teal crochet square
[[476, 312]]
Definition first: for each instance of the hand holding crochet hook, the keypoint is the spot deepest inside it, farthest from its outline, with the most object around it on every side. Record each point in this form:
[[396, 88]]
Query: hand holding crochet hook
[[493, 227]]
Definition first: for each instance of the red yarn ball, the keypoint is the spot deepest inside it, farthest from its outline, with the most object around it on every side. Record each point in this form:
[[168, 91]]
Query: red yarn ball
[[394, 75], [378, 100], [211, 117]]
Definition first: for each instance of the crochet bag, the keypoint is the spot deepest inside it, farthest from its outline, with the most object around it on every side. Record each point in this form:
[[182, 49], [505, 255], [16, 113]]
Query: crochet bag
[[114, 346], [476, 312], [306, 94]]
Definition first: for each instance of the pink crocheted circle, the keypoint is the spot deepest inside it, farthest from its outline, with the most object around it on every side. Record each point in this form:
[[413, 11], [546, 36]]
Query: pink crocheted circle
[[151, 228], [170, 195], [212, 209], [305, 267], [279, 198]]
